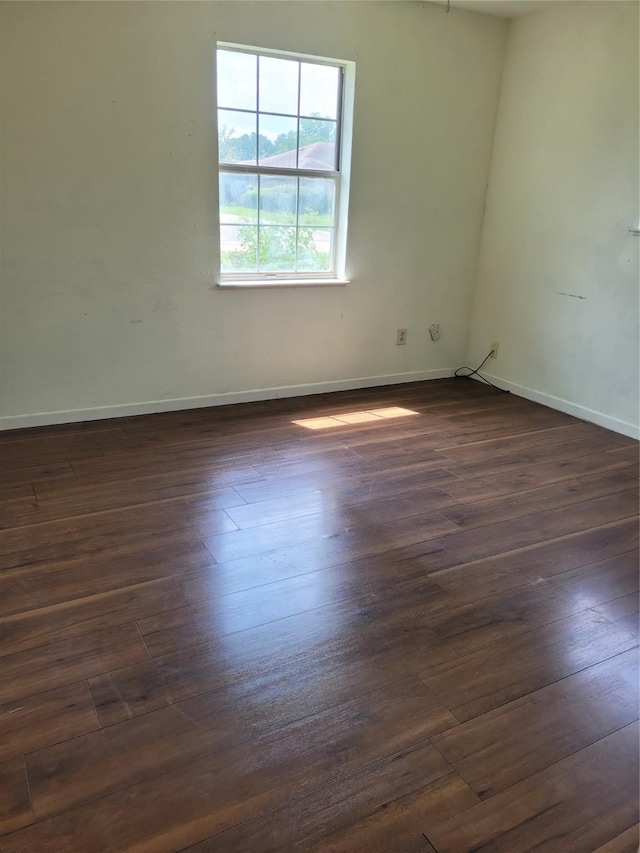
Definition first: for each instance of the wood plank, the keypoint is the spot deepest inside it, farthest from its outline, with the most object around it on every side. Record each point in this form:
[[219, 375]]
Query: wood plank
[[497, 618], [630, 454], [375, 573], [47, 667], [200, 623], [21, 433], [490, 753], [293, 693], [88, 767], [483, 487], [176, 548], [294, 761], [162, 468], [15, 803], [623, 611], [41, 584], [558, 453], [65, 775], [480, 578], [631, 624], [81, 497], [516, 445], [381, 483], [401, 509], [37, 473], [348, 609], [571, 806], [367, 440], [143, 687], [335, 461], [414, 501], [286, 693], [84, 615], [501, 427], [416, 845], [626, 842], [367, 811], [403, 451], [197, 504], [507, 420], [256, 570], [203, 514], [46, 718], [467, 404], [46, 450], [408, 395], [290, 643], [497, 674], [260, 605], [408, 436], [244, 543], [17, 510], [220, 430], [426, 458], [292, 651], [11, 491], [279, 509], [619, 608], [570, 492], [469, 545]]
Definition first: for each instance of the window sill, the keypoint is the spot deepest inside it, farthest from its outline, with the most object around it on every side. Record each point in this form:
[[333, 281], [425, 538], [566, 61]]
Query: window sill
[[283, 282]]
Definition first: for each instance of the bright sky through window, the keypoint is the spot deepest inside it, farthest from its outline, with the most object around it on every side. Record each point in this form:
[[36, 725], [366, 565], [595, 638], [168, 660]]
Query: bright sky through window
[[279, 121]]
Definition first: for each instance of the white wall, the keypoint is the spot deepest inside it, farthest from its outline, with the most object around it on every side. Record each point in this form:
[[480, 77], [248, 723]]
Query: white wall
[[109, 204], [557, 279]]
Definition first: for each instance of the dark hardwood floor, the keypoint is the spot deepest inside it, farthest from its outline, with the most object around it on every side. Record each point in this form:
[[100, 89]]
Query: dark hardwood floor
[[399, 620]]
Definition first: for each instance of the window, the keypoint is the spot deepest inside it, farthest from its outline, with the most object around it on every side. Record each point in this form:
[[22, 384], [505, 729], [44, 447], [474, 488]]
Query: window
[[282, 176]]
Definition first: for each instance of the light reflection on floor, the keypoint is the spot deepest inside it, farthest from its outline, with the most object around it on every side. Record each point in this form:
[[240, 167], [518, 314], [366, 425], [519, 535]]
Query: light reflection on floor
[[309, 622], [314, 534], [355, 418]]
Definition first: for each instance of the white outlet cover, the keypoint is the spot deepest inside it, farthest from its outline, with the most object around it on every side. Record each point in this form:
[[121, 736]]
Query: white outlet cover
[[434, 331]]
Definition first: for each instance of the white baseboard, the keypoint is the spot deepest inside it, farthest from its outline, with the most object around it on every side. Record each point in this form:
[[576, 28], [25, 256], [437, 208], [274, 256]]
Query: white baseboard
[[153, 406], [582, 412]]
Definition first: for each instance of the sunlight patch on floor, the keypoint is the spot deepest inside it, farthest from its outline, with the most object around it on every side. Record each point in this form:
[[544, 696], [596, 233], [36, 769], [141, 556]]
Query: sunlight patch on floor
[[355, 418]]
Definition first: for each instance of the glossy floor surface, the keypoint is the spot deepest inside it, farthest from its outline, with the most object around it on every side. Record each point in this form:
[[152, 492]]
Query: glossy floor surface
[[400, 619]]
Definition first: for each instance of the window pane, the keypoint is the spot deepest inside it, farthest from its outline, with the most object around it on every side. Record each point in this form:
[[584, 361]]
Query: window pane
[[278, 200], [239, 248], [278, 140], [277, 248], [237, 79], [236, 137], [238, 198], [317, 144], [319, 87], [316, 201], [278, 115], [314, 249], [278, 85]]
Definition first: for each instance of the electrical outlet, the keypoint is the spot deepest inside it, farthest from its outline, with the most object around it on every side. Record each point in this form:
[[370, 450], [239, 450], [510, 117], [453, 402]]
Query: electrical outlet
[[434, 331], [401, 337], [494, 349]]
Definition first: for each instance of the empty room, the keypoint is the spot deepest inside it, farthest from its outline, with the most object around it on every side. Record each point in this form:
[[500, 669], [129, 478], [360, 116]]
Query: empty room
[[319, 422]]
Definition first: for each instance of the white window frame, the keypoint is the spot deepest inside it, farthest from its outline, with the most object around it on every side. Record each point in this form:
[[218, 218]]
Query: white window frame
[[336, 276]]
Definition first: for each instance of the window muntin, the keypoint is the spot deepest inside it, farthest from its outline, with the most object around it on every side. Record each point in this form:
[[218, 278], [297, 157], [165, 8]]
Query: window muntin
[[279, 152]]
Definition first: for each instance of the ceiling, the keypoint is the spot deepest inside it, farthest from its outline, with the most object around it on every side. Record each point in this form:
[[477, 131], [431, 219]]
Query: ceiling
[[501, 8]]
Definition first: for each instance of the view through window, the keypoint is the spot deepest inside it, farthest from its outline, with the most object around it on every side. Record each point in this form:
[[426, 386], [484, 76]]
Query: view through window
[[279, 126]]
